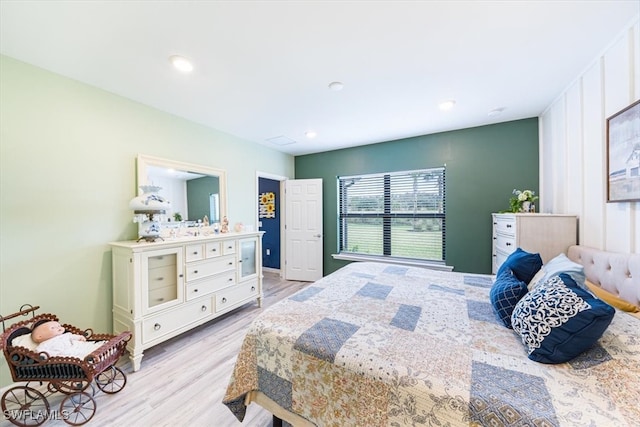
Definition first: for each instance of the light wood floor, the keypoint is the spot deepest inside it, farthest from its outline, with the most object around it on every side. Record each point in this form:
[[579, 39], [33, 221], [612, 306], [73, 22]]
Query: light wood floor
[[182, 381]]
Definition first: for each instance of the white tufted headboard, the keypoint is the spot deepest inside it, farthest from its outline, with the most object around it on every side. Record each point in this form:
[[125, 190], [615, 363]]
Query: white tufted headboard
[[615, 272]]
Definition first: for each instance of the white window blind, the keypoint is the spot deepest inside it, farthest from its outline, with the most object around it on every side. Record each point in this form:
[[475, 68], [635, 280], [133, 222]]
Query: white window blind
[[399, 214]]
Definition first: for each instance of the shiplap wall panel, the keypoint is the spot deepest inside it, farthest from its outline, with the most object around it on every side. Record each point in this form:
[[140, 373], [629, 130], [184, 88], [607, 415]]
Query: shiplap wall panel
[[554, 160], [618, 69], [592, 216], [574, 165], [545, 129], [609, 84]]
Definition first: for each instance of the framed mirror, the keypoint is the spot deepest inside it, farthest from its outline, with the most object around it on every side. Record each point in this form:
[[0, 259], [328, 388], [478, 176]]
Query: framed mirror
[[193, 190]]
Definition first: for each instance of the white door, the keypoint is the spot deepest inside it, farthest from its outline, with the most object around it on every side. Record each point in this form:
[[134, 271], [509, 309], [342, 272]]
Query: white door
[[303, 229]]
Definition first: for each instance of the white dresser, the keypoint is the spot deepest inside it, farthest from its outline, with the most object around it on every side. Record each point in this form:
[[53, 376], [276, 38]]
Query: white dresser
[[162, 289], [546, 234]]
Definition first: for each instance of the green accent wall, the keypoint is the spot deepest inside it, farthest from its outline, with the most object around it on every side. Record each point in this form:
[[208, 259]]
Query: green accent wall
[[198, 192], [483, 166]]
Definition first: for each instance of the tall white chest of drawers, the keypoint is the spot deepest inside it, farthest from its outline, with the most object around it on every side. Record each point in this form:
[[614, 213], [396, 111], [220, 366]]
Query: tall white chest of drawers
[[546, 234], [162, 289]]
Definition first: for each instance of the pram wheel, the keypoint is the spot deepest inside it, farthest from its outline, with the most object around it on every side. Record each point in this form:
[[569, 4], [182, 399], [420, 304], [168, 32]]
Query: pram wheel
[[67, 387], [25, 406], [77, 408], [111, 380]]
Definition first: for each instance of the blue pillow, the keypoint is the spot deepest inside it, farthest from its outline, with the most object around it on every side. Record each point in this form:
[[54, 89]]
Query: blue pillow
[[505, 293], [523, 264], [559, 320]]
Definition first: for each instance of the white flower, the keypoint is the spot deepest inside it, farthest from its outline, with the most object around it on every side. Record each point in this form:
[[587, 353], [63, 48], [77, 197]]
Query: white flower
[[522, 197]]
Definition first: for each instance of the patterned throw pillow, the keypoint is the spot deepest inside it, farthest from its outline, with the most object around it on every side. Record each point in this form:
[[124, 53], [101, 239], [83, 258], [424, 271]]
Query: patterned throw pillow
[[505, 293], [523, 264], [559, 320]]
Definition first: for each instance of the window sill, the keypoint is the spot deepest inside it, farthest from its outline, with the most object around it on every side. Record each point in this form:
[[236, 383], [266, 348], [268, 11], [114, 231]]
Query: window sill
[[413, 263]]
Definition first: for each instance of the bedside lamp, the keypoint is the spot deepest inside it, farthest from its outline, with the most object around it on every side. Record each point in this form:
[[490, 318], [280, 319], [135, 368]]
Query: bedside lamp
[[147, 209]]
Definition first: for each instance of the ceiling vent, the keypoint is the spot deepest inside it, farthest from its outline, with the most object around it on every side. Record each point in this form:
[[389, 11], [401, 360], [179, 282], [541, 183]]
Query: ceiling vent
[[281, 140]]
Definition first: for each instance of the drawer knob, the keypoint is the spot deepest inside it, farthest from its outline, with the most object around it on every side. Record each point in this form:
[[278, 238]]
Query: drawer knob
[[156, 327], [253, 288], [230, 279], [224, 300], [195, 252], [160, 278], [203, 308], [230, 262], [508, 225], [508, 244], [213, 250], [160, 299], [195, 290], [195, 271], [180, 275]]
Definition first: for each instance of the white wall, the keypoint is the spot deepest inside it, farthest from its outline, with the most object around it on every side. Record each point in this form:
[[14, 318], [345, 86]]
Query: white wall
[[573, 146]]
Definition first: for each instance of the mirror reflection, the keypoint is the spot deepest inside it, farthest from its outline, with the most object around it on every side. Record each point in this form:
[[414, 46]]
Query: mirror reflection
[[195, 191]]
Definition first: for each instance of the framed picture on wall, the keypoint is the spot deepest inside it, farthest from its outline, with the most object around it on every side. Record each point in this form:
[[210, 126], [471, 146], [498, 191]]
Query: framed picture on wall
[[623, 155]]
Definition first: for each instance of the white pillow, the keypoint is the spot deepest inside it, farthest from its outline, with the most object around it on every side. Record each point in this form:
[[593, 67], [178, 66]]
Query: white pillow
[[24, 341], [562, 264]]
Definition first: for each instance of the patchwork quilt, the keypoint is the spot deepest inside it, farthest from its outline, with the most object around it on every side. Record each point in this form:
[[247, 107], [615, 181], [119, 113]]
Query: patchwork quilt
[[383, 345]]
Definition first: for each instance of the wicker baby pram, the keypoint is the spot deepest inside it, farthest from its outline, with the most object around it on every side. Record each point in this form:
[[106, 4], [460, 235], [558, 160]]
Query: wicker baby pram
[[75, 378]]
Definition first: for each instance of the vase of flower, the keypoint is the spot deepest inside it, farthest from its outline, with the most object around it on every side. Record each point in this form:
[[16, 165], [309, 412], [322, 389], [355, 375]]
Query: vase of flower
[[523, 201]]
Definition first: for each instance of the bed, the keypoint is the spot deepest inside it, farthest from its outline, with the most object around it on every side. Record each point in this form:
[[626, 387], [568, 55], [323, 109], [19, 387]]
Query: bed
[[376, 344]]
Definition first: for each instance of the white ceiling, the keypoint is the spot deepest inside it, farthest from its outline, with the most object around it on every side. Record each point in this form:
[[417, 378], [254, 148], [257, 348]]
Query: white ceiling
[[262, 68]]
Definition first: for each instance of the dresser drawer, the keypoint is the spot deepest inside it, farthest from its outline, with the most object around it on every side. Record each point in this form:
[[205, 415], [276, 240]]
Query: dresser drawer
[[156, 326], [161, 260], [233, 295], [506, 244], [193, 253], [228, 247], [162, 295], [213, 249], [162, 276], [211, 284], [201, 269], [500, 257], [506, 225]]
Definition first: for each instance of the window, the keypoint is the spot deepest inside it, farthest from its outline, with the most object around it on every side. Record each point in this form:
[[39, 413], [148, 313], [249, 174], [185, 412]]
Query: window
[[398, 214]]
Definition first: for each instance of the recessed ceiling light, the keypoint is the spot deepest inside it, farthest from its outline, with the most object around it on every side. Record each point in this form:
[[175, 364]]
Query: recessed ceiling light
[[495, 112], [336, 86], [447, 105], [311, 134], [181, 63]]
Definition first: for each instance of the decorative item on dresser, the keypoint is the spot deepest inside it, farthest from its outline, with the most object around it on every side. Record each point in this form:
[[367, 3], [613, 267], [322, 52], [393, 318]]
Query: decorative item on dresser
[[163, 289], [546, 234]]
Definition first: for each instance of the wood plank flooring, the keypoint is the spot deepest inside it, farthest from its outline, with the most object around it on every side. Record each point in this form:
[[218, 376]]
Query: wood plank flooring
[[182, 381]]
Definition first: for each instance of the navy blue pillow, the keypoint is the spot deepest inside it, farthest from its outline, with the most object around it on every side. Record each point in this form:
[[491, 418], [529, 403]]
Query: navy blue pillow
[[523, 264], [505, 293], [559, 320]]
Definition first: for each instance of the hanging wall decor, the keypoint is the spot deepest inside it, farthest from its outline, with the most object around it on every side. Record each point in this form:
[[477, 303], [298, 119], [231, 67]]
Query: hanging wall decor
[[267, 204], [623, 155]]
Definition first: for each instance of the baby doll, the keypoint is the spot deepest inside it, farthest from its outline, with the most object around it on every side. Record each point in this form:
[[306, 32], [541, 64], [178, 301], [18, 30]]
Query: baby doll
[[53, 340]]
